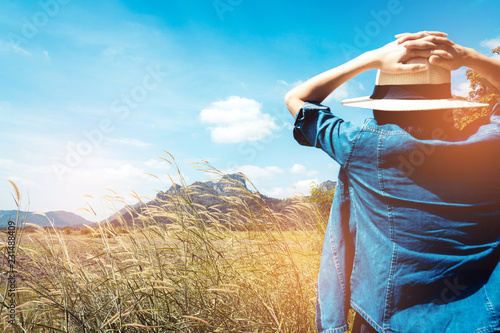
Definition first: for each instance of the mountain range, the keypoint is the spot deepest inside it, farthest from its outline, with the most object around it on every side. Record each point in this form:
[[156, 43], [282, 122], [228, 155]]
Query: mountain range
[[210, 194], [59, 218], [213, 196]]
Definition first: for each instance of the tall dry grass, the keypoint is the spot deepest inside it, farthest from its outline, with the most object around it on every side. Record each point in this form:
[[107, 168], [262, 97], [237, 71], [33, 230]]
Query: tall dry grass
[[203, 271]]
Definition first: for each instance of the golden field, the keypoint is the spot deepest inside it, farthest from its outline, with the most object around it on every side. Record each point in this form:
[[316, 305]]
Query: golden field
[[245, 270]]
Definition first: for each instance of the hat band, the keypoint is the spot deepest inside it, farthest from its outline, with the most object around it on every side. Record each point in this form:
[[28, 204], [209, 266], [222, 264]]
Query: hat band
[[412, 91]]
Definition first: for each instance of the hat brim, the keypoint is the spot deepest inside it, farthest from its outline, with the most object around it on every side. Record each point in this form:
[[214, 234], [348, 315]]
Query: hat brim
[[410, 104]]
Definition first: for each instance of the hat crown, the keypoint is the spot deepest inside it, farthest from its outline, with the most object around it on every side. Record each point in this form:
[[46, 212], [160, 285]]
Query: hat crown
[[432, 75], [416, 91]]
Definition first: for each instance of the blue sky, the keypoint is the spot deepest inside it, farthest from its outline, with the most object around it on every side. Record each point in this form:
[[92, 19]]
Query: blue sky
[[91, 92]]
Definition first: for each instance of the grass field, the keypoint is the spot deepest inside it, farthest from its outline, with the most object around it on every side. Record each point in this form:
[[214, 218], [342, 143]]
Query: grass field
[[242, 271]]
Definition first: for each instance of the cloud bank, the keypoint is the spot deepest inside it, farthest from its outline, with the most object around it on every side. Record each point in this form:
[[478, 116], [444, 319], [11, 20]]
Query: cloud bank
[[237, 119]]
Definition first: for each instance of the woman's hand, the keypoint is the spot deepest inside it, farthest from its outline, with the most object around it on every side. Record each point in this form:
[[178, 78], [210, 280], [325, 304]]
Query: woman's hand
[[392, 57], [417, 35], [442, 51]]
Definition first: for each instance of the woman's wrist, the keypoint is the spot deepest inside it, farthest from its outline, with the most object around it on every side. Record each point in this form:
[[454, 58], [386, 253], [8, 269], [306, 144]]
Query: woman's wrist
[[471, 58], [371, 60]]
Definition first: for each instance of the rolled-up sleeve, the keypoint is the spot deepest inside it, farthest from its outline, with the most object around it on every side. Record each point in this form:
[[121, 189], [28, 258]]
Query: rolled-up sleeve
[[316, 126]]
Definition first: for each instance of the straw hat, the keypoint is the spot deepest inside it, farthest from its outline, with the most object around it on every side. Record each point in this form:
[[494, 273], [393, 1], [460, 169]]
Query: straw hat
[[426, 90]]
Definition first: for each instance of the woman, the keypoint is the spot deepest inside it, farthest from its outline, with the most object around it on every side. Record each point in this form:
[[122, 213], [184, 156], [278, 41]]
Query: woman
[[413, 239]]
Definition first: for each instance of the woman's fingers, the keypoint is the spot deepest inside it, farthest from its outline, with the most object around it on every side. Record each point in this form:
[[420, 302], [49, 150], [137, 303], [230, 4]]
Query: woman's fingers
[[418, 35], [427, 54], [410, 67], [438, 61], [423, 33], [431, 43], [441, 53], [436, 40], [404, 34], [396, 56]]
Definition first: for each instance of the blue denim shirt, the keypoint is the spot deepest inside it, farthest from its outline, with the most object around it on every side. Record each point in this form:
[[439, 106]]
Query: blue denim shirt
[[413, 239]]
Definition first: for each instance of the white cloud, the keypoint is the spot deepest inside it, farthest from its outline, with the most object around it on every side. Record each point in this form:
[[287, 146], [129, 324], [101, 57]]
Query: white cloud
[[155, 163], [24, 182], [23, 170], [491, 43], [7, 46], [302, 170], [274, 169], [291, 85], [459, 83], [334, 166], [129, 142], [462, 89], [237, 119], [254, 172], [134, 25], [276, 192], [339, 94], [7, 163], [107, 175], [287, 125], [113, 52], [304, 186], [347, 90], [44, 191]]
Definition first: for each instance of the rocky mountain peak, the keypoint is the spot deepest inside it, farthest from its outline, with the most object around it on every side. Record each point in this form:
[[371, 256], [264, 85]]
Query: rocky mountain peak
[[328, 185], [225, 186]]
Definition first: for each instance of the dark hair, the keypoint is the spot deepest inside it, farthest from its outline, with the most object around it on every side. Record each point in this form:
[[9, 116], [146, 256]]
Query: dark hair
[[423, 125]]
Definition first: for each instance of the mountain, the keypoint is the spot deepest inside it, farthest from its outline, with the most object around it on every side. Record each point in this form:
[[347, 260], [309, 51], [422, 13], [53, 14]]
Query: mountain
[[212, 195], [225, 187], [209, 194], [60, 218], [328, 185]]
